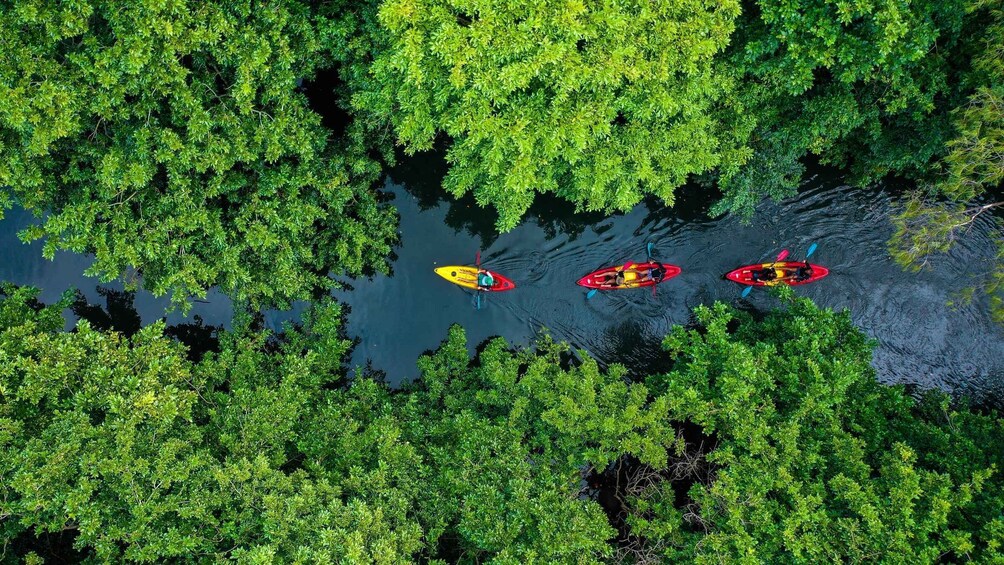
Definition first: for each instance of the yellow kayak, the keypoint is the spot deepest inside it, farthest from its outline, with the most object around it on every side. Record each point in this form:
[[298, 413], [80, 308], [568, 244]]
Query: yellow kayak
[[467, 277]]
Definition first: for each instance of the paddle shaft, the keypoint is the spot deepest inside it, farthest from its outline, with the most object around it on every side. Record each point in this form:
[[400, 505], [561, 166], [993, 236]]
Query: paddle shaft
[[780, 257], [477, 281]]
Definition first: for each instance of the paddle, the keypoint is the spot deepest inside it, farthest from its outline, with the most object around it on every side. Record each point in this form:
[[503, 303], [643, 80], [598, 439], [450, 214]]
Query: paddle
[[626, 266], [780, 257], [648, 252], [593, 292], [477, 293], [812, 249]]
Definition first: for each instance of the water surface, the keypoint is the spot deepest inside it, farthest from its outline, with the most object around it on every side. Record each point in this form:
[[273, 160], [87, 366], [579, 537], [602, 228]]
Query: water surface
[[921, 339]]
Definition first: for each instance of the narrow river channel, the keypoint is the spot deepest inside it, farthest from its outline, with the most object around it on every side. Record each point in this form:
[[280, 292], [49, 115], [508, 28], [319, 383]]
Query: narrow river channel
[[922, 339]]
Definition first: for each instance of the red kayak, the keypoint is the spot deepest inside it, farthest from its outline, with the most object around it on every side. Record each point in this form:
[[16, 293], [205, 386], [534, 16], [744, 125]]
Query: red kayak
[[784, 272], [635, 276]]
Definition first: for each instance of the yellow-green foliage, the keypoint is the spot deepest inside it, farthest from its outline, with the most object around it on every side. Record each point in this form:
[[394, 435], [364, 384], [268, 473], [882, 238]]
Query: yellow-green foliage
[[169, 138], [262, 453], [600, 103]]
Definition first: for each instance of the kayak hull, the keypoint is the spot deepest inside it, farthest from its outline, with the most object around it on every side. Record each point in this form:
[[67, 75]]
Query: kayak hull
[[635, 276], [785, 274], [467, 277]]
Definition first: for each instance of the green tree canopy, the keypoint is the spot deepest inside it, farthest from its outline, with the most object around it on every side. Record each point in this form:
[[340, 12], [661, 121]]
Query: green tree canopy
[[932, 219], [147, 457], [169, 139], [815, 461], [863, 85], [600, 103], [768, 441]]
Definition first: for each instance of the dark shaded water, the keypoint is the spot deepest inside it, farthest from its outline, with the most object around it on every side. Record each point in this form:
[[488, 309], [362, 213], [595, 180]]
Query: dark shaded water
[[921, 339]]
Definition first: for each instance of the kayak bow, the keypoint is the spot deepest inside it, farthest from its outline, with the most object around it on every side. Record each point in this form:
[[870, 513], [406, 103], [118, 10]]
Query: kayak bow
[[467, 277]]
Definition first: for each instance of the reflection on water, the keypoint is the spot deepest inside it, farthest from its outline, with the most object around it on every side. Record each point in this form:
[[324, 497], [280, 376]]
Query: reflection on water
[[921, 340]]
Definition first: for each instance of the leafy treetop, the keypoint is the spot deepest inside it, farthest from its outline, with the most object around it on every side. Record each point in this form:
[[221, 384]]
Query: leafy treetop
[[600, 103], [169, 139], [768, 441]]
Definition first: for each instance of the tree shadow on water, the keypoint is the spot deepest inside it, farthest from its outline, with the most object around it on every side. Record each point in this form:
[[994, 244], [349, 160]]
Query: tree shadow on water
[[634, 344], [693, 203], [199, 337], [119, 314], [422, 175]]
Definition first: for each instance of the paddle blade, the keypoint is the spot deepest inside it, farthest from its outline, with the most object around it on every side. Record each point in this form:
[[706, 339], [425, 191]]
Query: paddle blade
[[812, 249], [782, 255], [477, 301], [591, 293], [648, 250], [628, 265], [477, 258], [747, 292]]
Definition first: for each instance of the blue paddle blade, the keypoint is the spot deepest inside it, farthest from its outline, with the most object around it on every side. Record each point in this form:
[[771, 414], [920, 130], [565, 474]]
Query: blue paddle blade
[[477, 301], [812, 249], [591, 293], [648, 249], [747, 292]]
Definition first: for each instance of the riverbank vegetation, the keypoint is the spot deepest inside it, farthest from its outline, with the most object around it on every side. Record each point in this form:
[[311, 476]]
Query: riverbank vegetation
[[171, 140], [188, 145], [175, 140], [767, 440], [968, 184]]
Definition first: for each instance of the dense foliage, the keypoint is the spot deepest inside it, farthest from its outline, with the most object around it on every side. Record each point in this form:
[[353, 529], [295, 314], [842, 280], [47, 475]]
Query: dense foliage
[[813, 461], [173, 140], [599, 103], [604, 103], [768, 441], [967, 187], [170, 139], [865, 85]]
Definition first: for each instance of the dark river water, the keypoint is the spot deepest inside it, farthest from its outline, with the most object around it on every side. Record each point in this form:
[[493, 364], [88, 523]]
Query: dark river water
[[922, 340]]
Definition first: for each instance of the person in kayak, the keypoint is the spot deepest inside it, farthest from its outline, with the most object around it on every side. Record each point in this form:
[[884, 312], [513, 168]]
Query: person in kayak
[[485, 280], [613, 278], [803, 273], [656, 273], [766, 274]]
